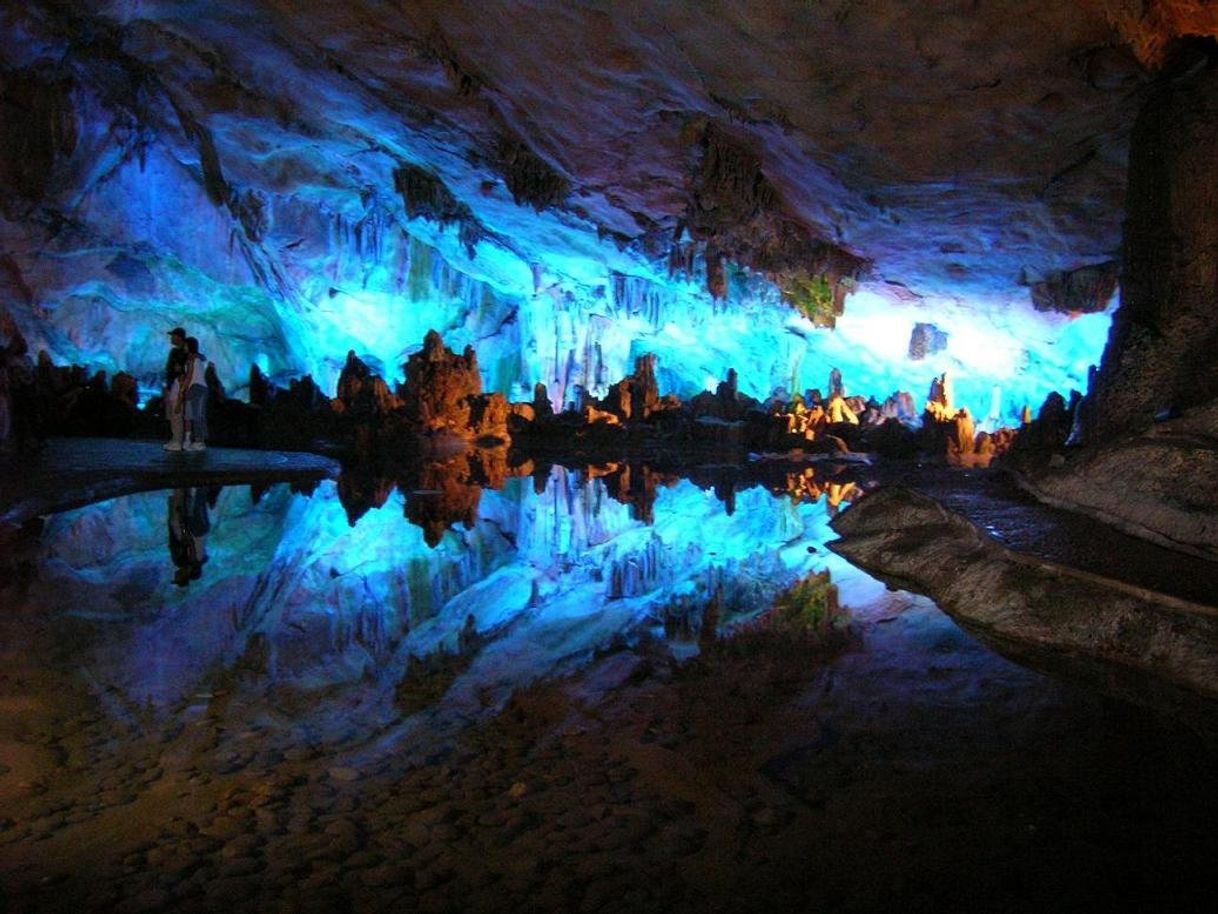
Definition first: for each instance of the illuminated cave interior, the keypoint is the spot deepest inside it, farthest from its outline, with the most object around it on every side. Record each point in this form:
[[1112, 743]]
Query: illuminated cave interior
[[616, 662], [223, 171]]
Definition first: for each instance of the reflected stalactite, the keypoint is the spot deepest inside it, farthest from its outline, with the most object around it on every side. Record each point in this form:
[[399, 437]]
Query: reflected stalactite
[[634, 485], [636, 574], [313, 598], [361, 493]]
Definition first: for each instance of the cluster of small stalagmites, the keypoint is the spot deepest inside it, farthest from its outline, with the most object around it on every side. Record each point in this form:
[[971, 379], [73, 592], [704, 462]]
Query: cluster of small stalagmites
[[46, 399], [442, 393], [810, 416], [848, 422], [951, 433]]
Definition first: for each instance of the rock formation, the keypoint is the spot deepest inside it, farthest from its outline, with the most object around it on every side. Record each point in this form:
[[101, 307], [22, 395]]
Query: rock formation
[[1013, 599], [442, 393], [1150, 421], [926, 339], [1160, 356]]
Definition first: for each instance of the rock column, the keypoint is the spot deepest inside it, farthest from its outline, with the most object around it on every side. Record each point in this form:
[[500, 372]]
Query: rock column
[[1162, 353]]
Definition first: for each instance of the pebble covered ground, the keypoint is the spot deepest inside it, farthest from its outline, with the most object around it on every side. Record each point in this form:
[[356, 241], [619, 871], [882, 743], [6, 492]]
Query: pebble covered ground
[[896, 765]]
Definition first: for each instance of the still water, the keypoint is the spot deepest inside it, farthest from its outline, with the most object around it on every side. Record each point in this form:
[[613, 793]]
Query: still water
[[177, 588], [372, 696]]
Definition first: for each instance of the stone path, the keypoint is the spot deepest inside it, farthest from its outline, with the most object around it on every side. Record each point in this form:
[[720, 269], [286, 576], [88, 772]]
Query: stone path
[[68, 472]]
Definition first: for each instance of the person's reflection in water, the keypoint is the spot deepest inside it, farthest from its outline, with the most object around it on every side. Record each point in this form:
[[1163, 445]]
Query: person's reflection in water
[[188, 529]]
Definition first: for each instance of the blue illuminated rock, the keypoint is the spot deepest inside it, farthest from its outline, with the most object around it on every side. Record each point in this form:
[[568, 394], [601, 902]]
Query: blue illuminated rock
[[294, 188]]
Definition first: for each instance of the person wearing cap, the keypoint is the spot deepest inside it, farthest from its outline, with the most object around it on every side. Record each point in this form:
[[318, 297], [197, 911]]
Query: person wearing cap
[[175, 373]]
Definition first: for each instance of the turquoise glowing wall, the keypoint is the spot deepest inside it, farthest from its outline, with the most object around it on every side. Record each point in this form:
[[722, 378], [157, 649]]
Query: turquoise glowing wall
[[294, 268]]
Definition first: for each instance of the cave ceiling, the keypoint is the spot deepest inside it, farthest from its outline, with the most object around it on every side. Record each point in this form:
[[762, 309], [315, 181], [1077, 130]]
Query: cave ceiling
[[953, 148], [271, 171]]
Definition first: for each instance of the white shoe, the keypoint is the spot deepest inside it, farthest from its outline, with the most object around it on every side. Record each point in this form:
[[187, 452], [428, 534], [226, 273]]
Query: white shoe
[[172, 446], [196, 446]]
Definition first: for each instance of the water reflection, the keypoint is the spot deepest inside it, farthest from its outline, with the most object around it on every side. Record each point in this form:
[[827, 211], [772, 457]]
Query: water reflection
[[441, 493], [188, 528], [321, 679], [499, 576]]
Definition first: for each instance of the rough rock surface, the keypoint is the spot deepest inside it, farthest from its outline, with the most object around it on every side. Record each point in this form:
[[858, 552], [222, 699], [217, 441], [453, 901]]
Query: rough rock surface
[[1160, 356], [443, 394], [1144, 466], [959, 150], [910, 539], [1161, 485]]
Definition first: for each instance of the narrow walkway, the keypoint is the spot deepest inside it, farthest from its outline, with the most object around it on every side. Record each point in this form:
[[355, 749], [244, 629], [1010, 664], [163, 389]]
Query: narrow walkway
[[69, 472], [992, 501]]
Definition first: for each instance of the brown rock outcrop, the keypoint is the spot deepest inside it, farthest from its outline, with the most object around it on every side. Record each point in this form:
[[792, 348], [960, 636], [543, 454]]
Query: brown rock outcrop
[[1084, 290], [443, 394], [1160, 353], [1149, 464], [912, 540], [1161, 485]]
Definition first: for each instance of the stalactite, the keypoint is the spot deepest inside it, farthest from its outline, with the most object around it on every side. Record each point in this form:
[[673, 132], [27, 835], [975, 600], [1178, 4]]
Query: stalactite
[[529, 178], [1080, 291], [425, 195]]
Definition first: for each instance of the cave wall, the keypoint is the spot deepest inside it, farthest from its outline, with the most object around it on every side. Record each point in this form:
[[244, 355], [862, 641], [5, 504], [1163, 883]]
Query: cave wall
[[251, 189], [1150, 465], [1162, 354]]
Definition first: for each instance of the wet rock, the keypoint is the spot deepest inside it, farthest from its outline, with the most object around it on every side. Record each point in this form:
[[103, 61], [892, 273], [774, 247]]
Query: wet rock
[[1161, 485], [224, 827], [902, 535], [231, 891], [240, 866], [241, 846], [152, 899]]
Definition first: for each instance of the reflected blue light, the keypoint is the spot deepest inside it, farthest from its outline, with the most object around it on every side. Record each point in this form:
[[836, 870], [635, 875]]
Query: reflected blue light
[[545, 576]]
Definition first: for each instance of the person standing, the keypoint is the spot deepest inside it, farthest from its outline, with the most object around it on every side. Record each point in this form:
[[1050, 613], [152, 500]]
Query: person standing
[[11, 354], [175, 375], [194, 394]]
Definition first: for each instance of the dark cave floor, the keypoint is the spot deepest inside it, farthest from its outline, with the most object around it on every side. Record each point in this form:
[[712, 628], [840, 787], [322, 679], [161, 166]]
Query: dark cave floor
[[909, 769], [898, 765]]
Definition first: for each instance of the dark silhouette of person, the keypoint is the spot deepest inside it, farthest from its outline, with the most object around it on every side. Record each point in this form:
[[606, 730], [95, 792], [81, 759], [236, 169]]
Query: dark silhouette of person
[[189, 525], [175, 377]]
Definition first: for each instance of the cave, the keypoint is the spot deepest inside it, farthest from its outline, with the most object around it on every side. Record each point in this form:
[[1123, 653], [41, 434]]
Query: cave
[[591, 456]]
